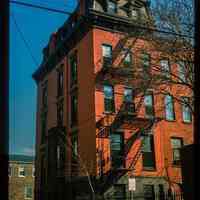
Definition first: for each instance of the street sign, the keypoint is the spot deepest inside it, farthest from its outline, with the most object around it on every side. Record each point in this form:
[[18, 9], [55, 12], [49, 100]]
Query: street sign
[[131, 184]]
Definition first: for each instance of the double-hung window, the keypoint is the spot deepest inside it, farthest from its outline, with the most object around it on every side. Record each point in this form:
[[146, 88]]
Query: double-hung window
[[107, 55], [128, 99], [60, 113], [73, 69], [169, 108], [186, 111], [148, 152], [74, 110], [60, 82], [117, 144], [176, 144], [149, 105], [165, 68], [109, 103]]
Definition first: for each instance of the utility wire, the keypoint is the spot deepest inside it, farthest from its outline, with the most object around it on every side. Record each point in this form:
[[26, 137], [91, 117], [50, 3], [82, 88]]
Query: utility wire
[[24, 40], [40, 7]]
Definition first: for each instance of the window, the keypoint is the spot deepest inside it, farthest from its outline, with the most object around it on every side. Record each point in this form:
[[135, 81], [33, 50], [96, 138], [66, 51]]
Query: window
[[148, 152], [74, 144], [60, 82], [73, 69], [120, 191], [44, 95], [74, 110], [60, 114], [117, 150], [165, 68], [149, 193], [145, 57], [128, 100], [128, 95], [112, 7], [176, 144], [43, 126], [186, 112], [127, 58], [33, 172], [169, 108], [21, 172], [134, 14], [107, 55], [149, 105], [109, 104], [28, 193], [10, 170], [182, 71]]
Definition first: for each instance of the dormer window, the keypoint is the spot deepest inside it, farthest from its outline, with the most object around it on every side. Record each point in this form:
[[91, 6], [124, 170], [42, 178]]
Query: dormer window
[[112, 7]]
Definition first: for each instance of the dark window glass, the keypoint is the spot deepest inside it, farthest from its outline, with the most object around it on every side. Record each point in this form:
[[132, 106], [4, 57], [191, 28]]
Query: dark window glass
[[112, 7], [28, 192], [109, 103], [149, 193], [73, 69], [169, 108], [60, 83], [149, 105], [60, 114], [120, 192], [74, 110], [107, 55], [186, 111], [43, 127], [176, 144], [74, 153], [117, 150], [148, 151], [44, 95]]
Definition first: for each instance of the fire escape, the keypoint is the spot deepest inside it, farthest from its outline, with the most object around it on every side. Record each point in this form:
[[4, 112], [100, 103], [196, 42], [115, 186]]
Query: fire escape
[[126, 117]]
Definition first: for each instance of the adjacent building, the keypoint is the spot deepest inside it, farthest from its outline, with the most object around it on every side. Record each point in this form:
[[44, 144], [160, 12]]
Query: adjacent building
[[21, 173], [92, 142]]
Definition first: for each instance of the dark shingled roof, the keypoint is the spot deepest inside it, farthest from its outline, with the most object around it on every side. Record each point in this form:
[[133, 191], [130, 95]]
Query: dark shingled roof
[[21, 158]]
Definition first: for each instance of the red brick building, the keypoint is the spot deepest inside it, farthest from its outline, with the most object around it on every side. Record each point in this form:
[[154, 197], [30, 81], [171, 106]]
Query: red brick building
[[90, 135]]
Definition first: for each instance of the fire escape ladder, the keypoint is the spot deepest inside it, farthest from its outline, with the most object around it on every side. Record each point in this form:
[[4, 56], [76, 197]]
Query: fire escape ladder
[[136, 157]]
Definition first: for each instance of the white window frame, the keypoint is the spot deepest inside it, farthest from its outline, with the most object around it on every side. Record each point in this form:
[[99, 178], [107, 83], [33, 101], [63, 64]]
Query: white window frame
[[20, 169], [33, 171]]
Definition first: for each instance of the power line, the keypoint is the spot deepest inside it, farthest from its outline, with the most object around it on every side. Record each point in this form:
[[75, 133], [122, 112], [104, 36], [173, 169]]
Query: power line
[[41, 7], [25, 41]]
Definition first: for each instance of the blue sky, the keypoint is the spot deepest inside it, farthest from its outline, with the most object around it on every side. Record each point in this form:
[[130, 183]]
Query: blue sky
[[36, 25]]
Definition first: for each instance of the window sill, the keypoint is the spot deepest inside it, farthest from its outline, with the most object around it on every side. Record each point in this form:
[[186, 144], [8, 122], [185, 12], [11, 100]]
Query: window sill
[[169, 120], [187, 122], [176, 165], [149, 169]]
